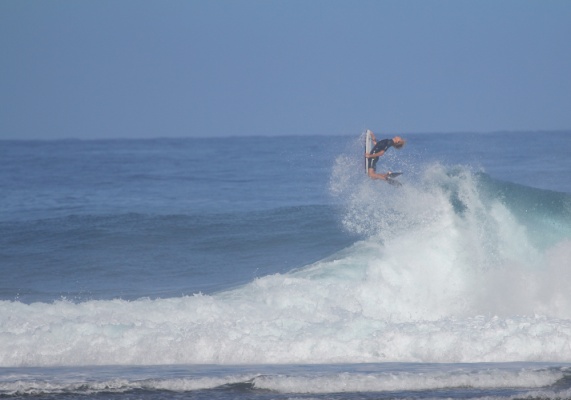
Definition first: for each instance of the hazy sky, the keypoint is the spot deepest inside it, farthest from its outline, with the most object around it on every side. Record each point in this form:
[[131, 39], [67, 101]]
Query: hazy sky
[[140, 68]]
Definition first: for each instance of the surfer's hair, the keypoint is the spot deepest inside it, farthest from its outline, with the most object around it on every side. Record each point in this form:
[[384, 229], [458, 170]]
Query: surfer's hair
[[400, 144]]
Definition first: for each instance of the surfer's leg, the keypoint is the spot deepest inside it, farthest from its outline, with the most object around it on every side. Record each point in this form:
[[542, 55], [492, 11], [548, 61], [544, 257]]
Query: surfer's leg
[[373, 175]]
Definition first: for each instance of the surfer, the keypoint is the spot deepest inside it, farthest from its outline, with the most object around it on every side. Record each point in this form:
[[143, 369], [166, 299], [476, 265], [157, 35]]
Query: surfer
[[378, 150]]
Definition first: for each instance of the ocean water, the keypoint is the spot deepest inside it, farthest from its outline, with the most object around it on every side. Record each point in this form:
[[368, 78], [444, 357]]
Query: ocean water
[[273, 268]]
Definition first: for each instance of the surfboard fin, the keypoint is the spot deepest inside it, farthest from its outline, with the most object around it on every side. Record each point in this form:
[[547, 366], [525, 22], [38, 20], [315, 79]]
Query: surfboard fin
[[394, 182]]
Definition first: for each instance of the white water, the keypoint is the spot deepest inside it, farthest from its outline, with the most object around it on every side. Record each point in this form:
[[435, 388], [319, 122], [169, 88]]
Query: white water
[[436, 280], [397, 381], [375, 379]]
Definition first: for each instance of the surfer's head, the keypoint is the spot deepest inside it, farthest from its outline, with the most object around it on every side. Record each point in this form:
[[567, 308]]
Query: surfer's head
[[398, 142]]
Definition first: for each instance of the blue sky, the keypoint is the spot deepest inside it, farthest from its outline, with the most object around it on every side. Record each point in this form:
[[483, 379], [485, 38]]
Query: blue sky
[[141, 69]]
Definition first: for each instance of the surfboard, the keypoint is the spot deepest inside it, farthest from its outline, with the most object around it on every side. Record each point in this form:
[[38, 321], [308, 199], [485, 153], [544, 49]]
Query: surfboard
[[392, 181], [368, 147]]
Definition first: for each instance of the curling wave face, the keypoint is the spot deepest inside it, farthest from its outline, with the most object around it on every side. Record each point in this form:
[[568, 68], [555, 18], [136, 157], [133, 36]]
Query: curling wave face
[[452, 267]]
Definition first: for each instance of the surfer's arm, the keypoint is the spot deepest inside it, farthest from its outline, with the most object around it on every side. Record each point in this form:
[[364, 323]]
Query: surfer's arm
[[373, 138]]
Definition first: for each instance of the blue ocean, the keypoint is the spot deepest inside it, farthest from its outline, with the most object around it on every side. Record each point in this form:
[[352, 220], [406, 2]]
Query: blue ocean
[[273, 268]]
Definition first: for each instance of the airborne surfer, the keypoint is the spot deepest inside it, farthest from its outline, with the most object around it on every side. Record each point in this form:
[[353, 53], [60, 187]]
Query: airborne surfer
[[379, 148]]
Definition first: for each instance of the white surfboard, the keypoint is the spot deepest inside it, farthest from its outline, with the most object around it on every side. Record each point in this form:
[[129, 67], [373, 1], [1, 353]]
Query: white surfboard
[[368, 147]]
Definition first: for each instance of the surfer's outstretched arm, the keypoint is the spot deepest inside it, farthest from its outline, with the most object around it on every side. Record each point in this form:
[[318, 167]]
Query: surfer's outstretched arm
[[373, 138]]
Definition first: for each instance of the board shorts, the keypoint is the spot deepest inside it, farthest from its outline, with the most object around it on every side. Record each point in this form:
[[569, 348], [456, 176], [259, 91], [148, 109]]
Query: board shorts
[[372, 163]]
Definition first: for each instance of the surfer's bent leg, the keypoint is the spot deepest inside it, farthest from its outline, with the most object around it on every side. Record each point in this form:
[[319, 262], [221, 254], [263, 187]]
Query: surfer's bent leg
[[373, 168]]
